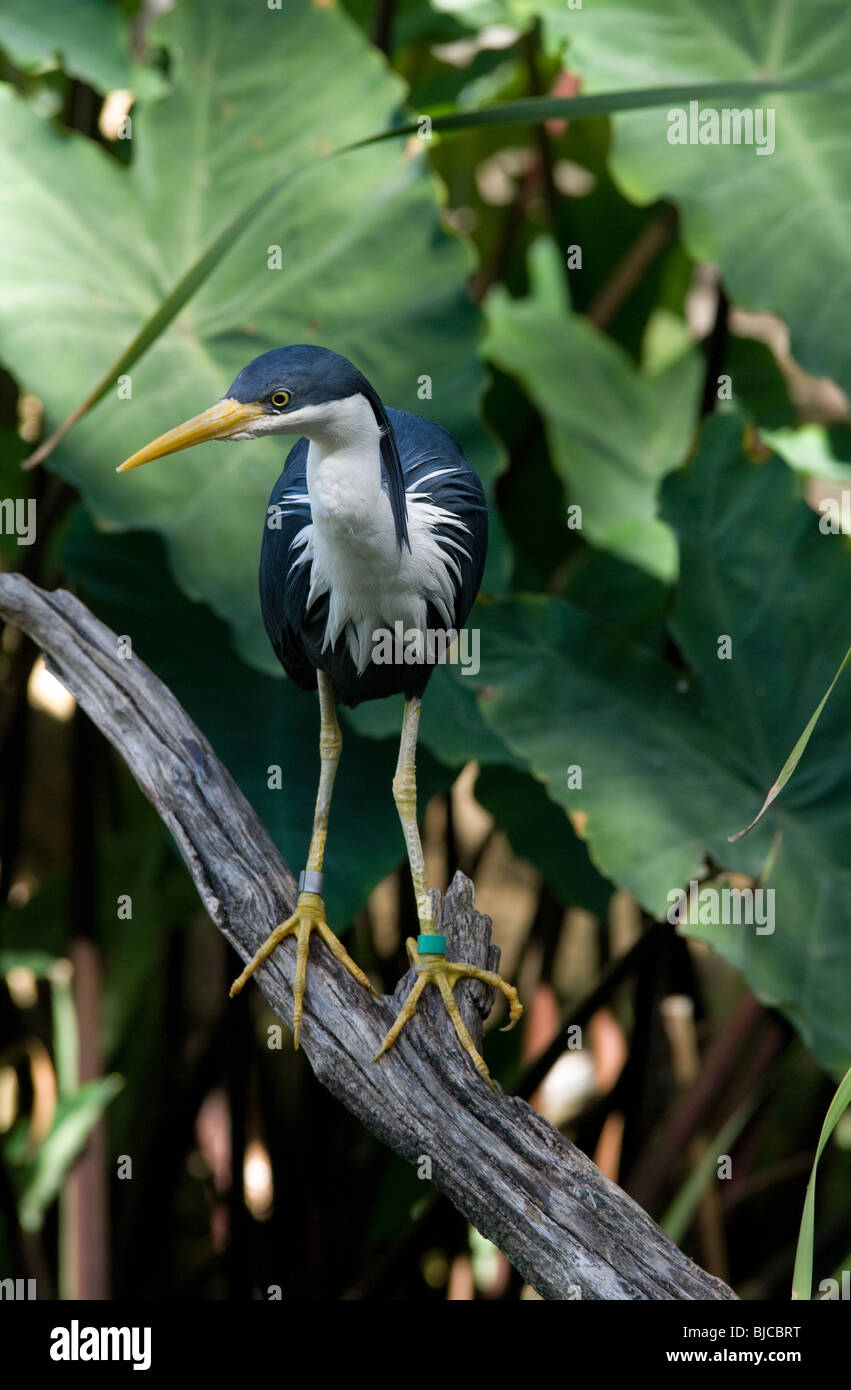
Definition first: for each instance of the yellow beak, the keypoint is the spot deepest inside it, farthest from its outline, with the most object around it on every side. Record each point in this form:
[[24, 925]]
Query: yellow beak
[[222, 421]]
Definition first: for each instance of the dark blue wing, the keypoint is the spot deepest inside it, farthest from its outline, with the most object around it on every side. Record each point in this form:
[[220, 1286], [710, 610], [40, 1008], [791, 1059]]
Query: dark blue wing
[[434, 469], [284, 583], [434, 466]]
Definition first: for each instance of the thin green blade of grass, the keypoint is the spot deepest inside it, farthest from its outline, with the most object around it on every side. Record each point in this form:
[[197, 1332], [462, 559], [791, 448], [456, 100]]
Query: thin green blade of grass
[[532, 110], [795, 756], [526, 111], [802, 1278], [66, 1036]]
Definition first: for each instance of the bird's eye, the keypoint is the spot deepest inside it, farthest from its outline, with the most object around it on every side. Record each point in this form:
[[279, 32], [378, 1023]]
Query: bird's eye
[[280, 399]]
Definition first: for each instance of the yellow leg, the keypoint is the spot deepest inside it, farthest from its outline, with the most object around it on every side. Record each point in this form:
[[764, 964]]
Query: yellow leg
[[310, 909], [405, 796], [432, 967]]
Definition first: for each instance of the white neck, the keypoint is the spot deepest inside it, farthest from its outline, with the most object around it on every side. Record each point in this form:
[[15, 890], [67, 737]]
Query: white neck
[[343, 461], [346, 424]]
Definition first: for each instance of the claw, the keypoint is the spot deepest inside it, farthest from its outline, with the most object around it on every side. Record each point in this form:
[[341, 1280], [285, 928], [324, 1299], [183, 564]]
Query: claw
[[309, 916], [437, 970]]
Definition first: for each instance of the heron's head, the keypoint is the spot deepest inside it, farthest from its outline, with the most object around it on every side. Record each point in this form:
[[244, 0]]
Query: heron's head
[[296, 390], [290, 390]]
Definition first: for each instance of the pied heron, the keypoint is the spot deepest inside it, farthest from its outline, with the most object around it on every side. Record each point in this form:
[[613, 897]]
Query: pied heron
[[376, 520]]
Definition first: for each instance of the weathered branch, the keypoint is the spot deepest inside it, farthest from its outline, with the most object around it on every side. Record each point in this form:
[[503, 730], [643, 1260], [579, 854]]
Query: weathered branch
[[567, 1229]]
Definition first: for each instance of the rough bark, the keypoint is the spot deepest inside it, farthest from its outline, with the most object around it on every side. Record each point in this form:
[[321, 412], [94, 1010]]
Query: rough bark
[[569, 1231]]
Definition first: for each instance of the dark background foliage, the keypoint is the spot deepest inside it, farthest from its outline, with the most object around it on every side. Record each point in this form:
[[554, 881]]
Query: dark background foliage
[[641, 348]]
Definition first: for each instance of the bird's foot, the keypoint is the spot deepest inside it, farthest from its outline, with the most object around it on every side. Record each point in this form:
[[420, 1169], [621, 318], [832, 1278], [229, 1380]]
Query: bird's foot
[[435, 969], [309, 916]]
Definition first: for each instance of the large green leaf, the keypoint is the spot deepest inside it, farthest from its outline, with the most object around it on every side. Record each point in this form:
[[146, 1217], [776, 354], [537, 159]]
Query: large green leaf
[[91, 249], [816, 451], [777, 224], [797, 753], [89, 37], [614, 432], [451, 724], [674, 761]]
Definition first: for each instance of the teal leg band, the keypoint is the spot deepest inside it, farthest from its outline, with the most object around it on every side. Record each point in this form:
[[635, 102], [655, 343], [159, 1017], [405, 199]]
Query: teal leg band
[[431, 944]]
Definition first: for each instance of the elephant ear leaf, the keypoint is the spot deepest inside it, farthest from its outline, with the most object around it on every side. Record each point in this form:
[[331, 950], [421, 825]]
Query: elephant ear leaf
[[174, 280], [795, 756]]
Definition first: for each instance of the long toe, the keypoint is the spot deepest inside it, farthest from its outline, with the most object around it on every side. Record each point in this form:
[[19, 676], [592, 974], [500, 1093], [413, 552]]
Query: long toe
[[309, 916], [406, 1013], [460, 970], [339, 952], [464, 1038], [274, 939]]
